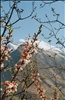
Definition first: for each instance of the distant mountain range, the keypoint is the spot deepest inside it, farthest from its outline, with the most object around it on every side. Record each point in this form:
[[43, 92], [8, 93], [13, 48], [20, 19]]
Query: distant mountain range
[[50, 63]]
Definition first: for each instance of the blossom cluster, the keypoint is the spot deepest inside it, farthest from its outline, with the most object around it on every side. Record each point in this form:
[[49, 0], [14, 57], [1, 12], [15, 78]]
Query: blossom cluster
[[35, 77], [27, 53], [11, 87], [4, 52]]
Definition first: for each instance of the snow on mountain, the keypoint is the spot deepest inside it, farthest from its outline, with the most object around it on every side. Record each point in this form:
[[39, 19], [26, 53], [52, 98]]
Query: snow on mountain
[[46, 46], [12, 46], [41, 45]]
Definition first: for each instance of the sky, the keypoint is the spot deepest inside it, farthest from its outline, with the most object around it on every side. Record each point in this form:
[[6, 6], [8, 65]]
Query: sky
[[30, 26]]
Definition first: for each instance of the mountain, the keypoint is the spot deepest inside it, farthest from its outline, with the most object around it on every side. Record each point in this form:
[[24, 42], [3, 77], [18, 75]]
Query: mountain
[[41, 45], [49, 62], [15, 46]]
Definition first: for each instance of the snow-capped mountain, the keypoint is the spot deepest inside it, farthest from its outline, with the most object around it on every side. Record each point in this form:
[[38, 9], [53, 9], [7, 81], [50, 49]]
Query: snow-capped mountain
[[49, 62], [41, 45]]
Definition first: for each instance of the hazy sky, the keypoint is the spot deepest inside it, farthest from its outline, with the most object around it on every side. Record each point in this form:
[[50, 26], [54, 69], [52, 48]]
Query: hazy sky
[[30, 26]]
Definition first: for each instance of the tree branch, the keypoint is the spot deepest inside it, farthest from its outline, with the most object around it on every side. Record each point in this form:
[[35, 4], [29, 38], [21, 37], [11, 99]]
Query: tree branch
[[8, 20]]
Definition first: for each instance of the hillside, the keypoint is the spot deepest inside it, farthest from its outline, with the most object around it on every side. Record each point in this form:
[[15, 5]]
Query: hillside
[[49, 62]]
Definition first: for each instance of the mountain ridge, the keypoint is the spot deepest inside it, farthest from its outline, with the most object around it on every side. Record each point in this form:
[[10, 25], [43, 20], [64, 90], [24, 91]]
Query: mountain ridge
[[41, 45]]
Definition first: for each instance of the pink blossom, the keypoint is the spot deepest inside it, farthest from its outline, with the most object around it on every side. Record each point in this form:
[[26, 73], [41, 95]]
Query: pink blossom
[[11, 87], [2, 65]]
